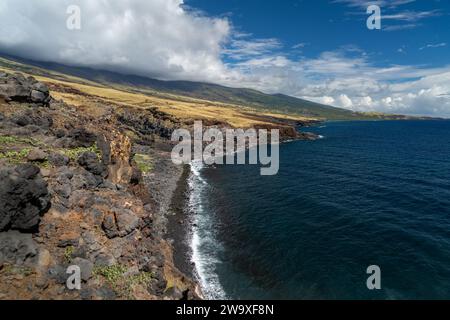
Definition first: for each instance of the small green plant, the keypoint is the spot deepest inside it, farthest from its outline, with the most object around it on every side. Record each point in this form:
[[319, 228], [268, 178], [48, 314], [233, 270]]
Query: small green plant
[[5, 140], [68, 252], [144, 162], [74, 154], [15, 157], [142, 278], [43, 165], [112, 274], [119, 282], [14, 269]]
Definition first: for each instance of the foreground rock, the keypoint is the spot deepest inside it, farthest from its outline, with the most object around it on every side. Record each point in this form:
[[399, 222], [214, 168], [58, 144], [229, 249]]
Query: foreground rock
[[71, 193], [17, 87], [17, 248], [24, 197]]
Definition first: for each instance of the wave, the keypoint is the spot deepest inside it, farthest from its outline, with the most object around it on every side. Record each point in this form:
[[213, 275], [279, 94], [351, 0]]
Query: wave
[[204, 245]]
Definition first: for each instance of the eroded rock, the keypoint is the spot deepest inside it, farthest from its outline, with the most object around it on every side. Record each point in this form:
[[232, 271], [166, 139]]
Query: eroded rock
[[17, 87], [24, 197], [120, 222], [17, 248], [90, 162], [37, 155]]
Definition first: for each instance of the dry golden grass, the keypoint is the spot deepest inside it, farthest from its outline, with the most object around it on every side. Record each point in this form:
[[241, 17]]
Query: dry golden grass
[[80, 92]]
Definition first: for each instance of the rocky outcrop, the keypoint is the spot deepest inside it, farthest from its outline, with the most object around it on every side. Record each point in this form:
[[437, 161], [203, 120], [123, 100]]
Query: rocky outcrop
[[24, 197], [17, 87], [71, 194], [17, 248], [116, 155], [120, 222], [148, 122], [91, 162]]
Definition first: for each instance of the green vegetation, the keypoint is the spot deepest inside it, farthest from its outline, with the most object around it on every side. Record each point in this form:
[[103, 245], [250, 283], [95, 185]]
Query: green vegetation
[[13, 269], [68, 252], [8, 140], [15, 157], [144, 162], [121, 283], [74, 154], [112, 274], [19, 155], [43, 165]]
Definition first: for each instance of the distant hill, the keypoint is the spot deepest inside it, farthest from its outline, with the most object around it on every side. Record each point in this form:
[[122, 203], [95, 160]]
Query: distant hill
[[239, 96]]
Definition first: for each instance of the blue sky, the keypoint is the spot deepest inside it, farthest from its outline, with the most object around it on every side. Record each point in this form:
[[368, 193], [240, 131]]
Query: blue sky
[[320, 50], [402, 68], [325, 25]]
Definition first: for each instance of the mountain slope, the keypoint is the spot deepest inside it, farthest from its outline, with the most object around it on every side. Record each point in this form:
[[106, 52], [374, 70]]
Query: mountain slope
[[238, 96]]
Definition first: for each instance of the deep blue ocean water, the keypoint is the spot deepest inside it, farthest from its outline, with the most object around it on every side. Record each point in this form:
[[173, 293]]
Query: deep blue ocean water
[[368, 193]]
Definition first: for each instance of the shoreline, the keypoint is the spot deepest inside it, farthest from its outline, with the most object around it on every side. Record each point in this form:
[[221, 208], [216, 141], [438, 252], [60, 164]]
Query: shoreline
[[179, 226], [180, 221]]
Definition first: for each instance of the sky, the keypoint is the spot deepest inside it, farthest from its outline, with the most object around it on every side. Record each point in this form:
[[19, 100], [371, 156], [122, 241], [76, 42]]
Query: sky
[[320, 50]]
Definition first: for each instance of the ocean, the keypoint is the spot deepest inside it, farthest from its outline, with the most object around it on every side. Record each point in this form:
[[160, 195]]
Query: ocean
[[367, 193]]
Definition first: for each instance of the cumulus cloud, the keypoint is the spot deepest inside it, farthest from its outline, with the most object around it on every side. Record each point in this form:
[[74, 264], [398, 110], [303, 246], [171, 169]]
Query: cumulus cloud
[[347, 78], [164, 39], [158, 38]]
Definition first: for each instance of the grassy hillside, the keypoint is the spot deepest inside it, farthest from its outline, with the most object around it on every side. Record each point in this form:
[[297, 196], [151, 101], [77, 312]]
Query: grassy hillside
[[93, 97], [277, 103], [199, 95]]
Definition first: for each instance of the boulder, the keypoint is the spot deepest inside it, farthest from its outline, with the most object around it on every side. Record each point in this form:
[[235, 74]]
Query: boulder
[[17, 87], [21, 120], [85, 180], [37, 155], [63, 190], [33, 117], [90, 162], [24, 197], [86, 268], [127, 222], [58, 160], [120, 223], [69, 239], [80, 137], [17, 248], [58, 273], [109, 226]]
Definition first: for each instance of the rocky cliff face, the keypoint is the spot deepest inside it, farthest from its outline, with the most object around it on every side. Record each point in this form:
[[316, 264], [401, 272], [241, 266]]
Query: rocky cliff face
[[73, 191]]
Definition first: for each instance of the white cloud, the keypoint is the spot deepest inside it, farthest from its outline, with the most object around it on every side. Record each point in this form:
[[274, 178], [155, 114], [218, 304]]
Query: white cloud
[[241, 48], [404, 20], [158, 38], [345, 101], [299, 45], [437, 45], [347, 79], [163, 39], [411, 15], [381, 3]]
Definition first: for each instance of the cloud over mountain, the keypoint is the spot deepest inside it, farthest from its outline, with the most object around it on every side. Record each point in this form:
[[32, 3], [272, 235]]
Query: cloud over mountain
[[156, 38], [165, 39]]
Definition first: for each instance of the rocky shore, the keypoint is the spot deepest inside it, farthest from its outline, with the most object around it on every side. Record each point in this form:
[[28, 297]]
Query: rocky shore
[[89, 188], [93, 186]]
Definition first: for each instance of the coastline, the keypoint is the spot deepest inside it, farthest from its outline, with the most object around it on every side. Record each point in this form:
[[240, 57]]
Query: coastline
[[179, 225], [181, 221]]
